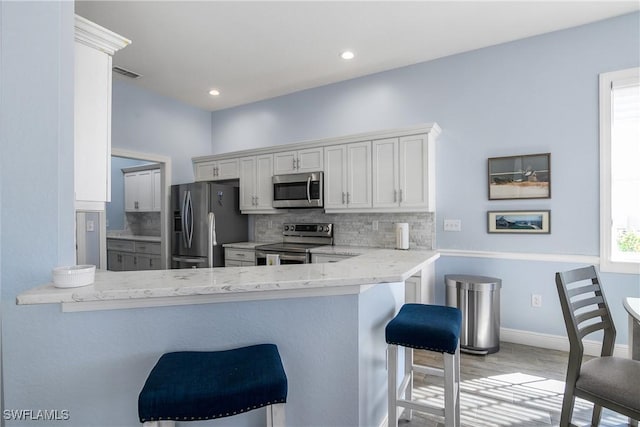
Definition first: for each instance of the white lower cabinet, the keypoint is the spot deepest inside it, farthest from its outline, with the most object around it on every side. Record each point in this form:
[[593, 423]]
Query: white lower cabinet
[[347, 176], [256, 187], [239, 257], [131, 255]]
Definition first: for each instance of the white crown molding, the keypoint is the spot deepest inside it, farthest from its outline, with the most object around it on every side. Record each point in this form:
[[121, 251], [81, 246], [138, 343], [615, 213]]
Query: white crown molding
[[97, 37], [522, 256]]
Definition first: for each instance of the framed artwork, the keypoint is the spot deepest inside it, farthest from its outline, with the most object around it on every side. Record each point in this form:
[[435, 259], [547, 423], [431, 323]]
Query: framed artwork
[[528, 222], [520, 177]]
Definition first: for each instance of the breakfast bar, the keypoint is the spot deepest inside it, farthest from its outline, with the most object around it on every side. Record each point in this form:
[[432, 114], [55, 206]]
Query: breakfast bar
[[327, 320]]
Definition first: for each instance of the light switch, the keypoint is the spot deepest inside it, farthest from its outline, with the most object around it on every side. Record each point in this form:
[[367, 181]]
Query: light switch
[[90, 226], [452, 225]]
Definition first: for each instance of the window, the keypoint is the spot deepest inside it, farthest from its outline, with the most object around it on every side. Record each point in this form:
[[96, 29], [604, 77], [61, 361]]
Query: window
[[620, 171]]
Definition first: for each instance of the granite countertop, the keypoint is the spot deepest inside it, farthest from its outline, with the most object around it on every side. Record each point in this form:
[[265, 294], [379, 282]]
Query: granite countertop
[[243, 245], [125, 236], [344, 250], [125, 289]]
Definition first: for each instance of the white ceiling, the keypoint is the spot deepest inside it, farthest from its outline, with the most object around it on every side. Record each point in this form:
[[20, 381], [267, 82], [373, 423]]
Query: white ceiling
[[254, 50]]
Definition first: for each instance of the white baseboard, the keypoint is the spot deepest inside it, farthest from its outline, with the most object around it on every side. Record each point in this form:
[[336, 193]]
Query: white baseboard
[[556, 342]]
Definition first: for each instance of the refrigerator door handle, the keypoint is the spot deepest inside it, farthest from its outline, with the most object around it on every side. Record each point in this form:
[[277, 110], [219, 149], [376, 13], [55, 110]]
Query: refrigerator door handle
[[211, 238], [183, 215], [189, 211]]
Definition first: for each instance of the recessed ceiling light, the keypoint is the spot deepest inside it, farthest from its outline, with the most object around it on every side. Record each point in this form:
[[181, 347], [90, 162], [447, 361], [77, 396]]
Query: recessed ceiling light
[[347, 54], [214, 92]]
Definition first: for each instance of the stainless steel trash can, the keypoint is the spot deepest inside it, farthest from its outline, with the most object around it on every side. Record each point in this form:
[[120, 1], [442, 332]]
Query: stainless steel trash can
[[478, 297]]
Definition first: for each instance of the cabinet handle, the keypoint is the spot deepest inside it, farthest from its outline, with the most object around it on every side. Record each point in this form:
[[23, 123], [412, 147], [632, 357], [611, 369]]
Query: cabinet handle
[[298, 164], [242, 255], [294, 164], [256, 200], [343, 197], [395, 196], [217, 171], [401, 195], [135, 260]]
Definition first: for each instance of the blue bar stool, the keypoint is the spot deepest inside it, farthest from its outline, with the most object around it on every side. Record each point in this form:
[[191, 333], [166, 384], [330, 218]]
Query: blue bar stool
[[427, 327], [203, 385]]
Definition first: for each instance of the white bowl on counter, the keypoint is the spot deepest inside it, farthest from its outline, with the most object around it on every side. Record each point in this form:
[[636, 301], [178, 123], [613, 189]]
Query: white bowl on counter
[[73, 276]]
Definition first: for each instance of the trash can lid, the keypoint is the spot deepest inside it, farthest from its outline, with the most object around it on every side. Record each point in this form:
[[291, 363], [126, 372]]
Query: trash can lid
[[473, 283]]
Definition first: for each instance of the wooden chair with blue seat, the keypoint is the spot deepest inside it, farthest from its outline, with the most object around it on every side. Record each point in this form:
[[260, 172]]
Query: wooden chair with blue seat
[[203, 385], [606, 381], [428, 327]]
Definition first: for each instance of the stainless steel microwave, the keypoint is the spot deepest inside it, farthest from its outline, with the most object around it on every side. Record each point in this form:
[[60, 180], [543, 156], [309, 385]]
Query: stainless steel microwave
[[298, 190]]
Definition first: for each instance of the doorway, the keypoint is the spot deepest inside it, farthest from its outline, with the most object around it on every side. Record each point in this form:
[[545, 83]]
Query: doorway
[[115, 211]]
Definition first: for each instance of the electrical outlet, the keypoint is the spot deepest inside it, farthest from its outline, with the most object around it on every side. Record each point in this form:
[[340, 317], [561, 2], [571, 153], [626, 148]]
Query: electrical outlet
[[536, 300], [374, 225], [452, 225]]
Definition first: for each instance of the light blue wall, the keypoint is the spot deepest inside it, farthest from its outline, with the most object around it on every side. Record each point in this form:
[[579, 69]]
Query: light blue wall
[[529, 96], [36, 171], [146, 122]]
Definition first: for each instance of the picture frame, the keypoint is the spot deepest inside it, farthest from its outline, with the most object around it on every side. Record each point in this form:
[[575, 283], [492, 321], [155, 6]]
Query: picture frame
[[519, 222], [520, 177]]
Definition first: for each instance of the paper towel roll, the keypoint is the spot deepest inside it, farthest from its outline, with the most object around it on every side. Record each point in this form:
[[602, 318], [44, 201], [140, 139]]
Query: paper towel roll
[[402, 235], [273, 259]]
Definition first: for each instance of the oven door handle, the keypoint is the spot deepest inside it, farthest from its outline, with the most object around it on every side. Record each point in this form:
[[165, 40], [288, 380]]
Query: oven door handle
[[301, 258]]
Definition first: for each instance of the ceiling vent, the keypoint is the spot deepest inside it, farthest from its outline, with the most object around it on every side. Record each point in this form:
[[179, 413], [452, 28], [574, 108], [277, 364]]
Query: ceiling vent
[[126, 73]]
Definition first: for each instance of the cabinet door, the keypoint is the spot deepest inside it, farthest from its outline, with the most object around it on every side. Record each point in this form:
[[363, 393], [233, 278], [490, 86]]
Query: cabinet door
[[285, 162], [264, 183], [144, 191], [385, 173], [130, 191], [157, 190], [205, 171], [227, 169], [92, 124], [247, 183], [413, 176], [310, 160], [129, 262], [359, 175], [335, 177], [114, 261]]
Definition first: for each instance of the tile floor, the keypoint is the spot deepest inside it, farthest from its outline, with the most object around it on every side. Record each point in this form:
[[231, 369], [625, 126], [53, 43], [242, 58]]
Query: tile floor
[[517, 386]]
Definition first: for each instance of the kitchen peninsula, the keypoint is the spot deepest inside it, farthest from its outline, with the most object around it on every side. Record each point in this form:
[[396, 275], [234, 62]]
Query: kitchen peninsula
[[327, 319]]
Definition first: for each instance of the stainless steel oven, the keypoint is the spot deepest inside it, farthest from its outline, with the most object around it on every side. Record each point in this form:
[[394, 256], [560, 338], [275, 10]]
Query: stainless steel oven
[[298, 240], [298, 190]]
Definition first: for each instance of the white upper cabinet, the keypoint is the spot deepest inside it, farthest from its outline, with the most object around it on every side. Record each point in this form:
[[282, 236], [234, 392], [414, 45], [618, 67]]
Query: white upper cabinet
[[347, 176], [307, 160], [382, 171], [404, 173], [217, 170], [94, 47], [142, 192], [256, 188]]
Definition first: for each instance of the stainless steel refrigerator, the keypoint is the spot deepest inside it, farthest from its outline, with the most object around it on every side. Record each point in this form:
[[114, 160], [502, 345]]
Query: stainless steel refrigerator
[[205, 216]]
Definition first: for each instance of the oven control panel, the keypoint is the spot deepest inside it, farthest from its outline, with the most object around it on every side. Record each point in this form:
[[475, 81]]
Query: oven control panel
[[308, 230]]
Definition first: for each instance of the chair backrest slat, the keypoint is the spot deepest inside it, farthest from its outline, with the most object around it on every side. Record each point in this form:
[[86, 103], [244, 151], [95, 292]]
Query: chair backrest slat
[[583, 290], [582, 317], [591, 328], [596, 300]]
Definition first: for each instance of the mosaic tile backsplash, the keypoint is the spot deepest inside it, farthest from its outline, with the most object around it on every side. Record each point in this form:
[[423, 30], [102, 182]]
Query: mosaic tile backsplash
[[142, 223], [354, 229]]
